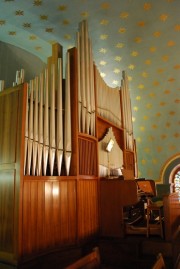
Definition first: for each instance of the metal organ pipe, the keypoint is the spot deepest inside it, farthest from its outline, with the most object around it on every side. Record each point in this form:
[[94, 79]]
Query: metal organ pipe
[[46, 125], [67, 131], [85, 81], [40, 137], [59, 151]]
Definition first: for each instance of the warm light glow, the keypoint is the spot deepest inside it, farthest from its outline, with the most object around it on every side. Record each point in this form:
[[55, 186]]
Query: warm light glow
[[55, 191]]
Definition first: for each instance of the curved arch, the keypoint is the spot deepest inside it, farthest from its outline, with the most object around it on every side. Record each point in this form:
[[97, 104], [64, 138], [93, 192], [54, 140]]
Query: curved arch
[[168, 169]]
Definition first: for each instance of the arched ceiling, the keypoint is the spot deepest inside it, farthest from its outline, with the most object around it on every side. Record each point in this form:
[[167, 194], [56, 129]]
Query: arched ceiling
[[138, 36]]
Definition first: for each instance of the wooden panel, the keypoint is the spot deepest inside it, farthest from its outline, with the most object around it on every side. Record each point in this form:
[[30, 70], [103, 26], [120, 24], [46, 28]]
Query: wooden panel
[[87, 156], [114, 194], [171, 215], [129, 160], [6, 210], [49, 214], [8, 123], [88, 220]]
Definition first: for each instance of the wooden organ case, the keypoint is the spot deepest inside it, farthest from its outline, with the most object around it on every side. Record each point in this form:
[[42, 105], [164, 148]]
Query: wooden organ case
[[49, 156]]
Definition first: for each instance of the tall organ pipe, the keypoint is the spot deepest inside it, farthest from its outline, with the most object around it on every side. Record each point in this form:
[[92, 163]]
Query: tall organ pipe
[[67, 131], [59, 143]]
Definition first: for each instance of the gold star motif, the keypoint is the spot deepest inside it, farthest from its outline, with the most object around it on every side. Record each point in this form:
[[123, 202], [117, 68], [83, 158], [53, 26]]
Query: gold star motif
[[176, 135], [177, 101], [163, 17], [119, 45], [13, 33], [158, 114], [105, 6], [27, 25], [102, 50], [104, 22], [163, 136], [152, 94], [131, 66], [124, 15], [148, 62], [2, 22], [43, 17], [177, 66], [134, 53], [165, 58], [49, 30], [138, 98], [153, 49], [168, 124], [167, 91], [157, 34], [65, 22], [149, 106], [143, 162], [103, 63], [172, 147], [145, 74], [102, 75], [129, 78], [172, 113], [171, 79], [62, 7], [138, 139], [19, 13], [177, 27], [147, 6], [141, 23], [32, 37], [122, 30], [171, 43], [67, 37], [142, 128], [151, 138], [85, 14], [154, 126], [115, 82], [118, 58], [147, 150], [116, 71], [159, 149], [154, 161], [37, 3], [156, 83], [138, 39], [141, 86], [160, 70], [135, 108], [145, 117], [103, 37]]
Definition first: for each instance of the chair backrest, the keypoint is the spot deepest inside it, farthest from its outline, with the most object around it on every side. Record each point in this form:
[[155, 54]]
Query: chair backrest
[[159, 263], [90, 261]]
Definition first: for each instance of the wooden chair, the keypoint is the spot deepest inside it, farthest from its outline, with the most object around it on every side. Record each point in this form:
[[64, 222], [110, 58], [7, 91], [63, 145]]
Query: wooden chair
[[159, 263], [90, 261], [156, 207]]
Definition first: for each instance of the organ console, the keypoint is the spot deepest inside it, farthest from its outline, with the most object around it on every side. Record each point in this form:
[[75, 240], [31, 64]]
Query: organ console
[[129, 199]]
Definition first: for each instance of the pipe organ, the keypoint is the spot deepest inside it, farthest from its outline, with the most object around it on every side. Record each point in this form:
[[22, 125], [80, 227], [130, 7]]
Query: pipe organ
[[50, 131]]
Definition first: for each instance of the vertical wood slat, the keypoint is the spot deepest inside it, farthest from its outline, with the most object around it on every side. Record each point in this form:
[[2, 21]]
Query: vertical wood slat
[[8, 122], [6, 210], [87, 157], [49, 214], [88, 223]]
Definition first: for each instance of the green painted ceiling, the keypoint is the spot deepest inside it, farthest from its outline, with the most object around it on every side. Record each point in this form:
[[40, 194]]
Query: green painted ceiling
[[140, 37]]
